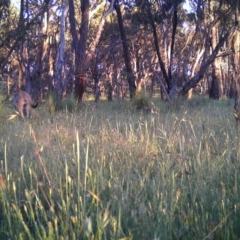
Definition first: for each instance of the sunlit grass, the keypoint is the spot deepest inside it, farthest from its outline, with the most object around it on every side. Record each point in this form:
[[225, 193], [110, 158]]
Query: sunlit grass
[[113, 172]]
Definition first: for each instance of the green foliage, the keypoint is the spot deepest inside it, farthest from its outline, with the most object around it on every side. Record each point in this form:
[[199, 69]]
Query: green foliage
[[3, 109], [69, 103], [142, 102], [109, 173], [51, 103], [54, 104]]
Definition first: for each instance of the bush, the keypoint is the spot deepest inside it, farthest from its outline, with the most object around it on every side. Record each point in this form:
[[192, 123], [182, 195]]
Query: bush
[[142, 102], [69, 104], [52, 103], [55, 104], [2, 107]]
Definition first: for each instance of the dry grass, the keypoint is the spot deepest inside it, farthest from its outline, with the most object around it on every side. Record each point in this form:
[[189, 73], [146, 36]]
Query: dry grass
[[109, 172]]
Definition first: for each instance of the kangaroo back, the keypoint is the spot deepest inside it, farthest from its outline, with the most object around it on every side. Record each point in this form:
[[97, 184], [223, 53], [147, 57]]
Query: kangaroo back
[[24, 103]]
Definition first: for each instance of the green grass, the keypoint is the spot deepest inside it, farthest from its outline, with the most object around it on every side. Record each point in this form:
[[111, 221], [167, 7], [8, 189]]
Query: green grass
[[117, 173]]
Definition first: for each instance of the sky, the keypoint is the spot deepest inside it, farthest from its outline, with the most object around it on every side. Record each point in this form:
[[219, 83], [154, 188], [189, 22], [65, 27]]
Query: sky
[[15, 3], [187, 6]]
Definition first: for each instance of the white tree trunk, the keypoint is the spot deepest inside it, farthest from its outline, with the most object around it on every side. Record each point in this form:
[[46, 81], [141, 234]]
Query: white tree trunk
[[60, 81]]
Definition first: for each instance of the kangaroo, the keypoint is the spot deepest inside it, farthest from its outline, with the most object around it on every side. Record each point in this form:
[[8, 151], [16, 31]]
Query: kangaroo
[[24, 103]]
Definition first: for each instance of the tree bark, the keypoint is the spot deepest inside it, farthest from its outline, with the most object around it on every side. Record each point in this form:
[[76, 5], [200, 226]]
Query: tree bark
[[80, 45], [94, 43], [20, 40], [198, 76], [80, 82], [60, 83], [82, 59], [189, 52], [215, 90], [236, 70], [172, 83], [161, 63], [126, 55]]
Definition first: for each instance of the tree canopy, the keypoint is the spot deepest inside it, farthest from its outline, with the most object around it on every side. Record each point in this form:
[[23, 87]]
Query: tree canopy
[[118, 48]]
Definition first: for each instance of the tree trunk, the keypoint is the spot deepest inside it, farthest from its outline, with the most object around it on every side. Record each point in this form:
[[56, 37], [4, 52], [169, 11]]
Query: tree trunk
[[100, 28], [43, 49], [22, 68], [127, 60], [215, 89], [172, 83], [60, 82], [82, 59], [81, 73], [79, 46], [189, 52], [198, 76], [236, 59], [161, 63]]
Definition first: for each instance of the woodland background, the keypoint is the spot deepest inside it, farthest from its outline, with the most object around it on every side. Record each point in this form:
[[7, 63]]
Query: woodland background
[[113, 48], [75, 171]]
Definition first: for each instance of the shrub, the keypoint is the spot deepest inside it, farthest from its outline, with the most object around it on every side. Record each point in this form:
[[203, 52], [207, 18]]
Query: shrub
[[2, 107], [54, 103], [142, 102], [69, 104]]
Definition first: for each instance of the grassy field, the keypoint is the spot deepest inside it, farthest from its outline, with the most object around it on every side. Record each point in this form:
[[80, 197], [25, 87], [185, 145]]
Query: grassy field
[[117, 173]]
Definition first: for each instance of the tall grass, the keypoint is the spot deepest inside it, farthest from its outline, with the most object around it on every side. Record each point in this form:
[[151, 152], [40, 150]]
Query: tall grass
[[117, 173]]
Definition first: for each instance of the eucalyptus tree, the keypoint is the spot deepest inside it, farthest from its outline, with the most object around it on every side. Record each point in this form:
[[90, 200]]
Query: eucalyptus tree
[[21, 41], [126, 54], [209, 26], [8, 21], [219, 13], [236, 62], [4, 8], [80, 39], [124, 67], [194, 46], [214, 39], [164, 13], [59, 74], [34, 60], [38, 42], [108, 66]]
